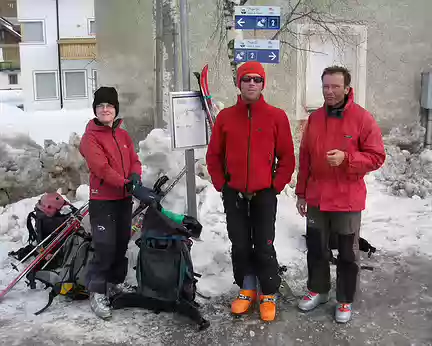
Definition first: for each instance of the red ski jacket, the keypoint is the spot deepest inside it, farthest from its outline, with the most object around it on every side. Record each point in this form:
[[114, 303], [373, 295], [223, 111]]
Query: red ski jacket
[[356, 133], [245, 142], [111, 158]]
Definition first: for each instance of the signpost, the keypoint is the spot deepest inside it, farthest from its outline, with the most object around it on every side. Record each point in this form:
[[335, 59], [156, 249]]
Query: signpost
[[189, 153], [263, 51], [187, 121], [257, 18]]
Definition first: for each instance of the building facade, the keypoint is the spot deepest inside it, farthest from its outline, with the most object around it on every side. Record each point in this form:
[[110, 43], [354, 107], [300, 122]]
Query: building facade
[[57, 53]]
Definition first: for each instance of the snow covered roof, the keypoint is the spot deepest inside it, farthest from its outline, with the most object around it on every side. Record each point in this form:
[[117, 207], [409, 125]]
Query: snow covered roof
[[9, 26]]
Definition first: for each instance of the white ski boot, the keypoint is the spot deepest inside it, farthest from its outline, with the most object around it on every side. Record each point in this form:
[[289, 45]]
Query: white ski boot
[[100, 305], [311, 300], [343, 312]]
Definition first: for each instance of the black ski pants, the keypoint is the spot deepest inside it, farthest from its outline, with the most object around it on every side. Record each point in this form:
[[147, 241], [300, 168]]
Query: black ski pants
[[251, 229], [111, 230], [346, 225]]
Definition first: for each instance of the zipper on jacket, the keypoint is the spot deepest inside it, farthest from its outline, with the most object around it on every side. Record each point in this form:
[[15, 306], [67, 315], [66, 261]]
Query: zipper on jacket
[[249, 146], [121, 157]]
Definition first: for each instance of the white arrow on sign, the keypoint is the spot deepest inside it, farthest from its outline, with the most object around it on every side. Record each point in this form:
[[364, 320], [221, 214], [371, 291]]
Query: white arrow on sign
[[241, 22], [272, 56]]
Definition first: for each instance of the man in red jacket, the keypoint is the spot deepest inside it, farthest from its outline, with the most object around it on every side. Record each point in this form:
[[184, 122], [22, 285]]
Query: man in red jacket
[[115, 170], [341, 144], [247, 140]]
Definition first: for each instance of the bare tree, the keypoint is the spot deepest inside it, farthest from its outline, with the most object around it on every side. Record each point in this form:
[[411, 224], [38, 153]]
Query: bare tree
[[314, 12]]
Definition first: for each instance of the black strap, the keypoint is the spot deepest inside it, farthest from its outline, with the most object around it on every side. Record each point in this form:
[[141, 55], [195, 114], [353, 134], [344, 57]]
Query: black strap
[[51, 297], [33, 236]]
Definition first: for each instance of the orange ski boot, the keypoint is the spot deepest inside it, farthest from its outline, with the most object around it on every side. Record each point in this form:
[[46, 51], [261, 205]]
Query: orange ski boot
[[268, 307], [243, 302]]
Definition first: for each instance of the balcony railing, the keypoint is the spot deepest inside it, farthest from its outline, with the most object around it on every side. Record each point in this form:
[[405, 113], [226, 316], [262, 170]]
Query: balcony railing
[[78, 49], [9, 65]]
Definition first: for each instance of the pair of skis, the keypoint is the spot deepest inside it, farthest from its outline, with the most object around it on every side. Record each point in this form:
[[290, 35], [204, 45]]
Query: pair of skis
[[60, 234], [209, 106]]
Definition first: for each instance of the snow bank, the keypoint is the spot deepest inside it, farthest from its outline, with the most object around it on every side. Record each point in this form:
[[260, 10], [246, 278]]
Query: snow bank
[[11, 97], [408, 167], [27, 169], [56, 126], [39, 152]]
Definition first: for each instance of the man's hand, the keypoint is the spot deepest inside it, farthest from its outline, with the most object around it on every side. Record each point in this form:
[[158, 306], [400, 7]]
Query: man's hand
[[301, 206], [335, 157]]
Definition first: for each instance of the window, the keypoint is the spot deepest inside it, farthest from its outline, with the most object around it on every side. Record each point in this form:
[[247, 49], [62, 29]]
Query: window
[[75, 84], [13, 79], [92, 27], [32, 32], [95, 80], [45, 84]]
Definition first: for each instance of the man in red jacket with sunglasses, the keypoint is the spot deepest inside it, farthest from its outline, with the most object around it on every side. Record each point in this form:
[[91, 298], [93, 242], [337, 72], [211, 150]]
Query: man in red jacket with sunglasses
[[341, 143], [250, 159]]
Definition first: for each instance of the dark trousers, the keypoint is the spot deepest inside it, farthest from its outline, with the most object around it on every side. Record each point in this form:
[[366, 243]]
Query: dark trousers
[[251, 229], [346, 226], [111, 230]]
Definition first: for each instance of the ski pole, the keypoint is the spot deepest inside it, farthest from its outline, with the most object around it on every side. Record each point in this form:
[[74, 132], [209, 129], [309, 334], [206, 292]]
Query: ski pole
[[175, 181], [55, 254]]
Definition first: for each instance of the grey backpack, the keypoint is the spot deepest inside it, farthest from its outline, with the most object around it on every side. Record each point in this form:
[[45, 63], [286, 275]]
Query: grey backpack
[[69, 279]]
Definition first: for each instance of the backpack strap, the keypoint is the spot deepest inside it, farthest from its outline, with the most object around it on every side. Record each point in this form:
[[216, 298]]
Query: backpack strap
[[33, 236], [53, 293]]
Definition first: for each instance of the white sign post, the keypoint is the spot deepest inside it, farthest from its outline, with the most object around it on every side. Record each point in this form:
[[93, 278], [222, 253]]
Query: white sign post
[[187, 121], [188, 132]]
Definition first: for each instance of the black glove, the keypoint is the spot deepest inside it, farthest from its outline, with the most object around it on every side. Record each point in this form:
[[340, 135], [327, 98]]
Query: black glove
[[134, 181], [192, 225], [146, 196]]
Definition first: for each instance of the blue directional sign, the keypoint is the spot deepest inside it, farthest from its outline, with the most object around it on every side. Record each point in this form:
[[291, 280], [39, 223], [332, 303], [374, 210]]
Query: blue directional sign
[[257, 18], [263, 51]]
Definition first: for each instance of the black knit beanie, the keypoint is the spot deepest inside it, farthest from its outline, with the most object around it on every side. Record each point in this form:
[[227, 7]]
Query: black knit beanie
[[106, 95]]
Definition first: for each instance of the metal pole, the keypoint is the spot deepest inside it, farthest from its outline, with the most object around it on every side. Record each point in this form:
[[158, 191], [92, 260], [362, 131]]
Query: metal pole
[[59, 60], [158, 121], [176, 67], [190, 153], [184, 44], [429, 129]]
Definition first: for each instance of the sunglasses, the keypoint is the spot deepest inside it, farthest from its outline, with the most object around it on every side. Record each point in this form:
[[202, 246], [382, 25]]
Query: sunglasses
[[256, 79]]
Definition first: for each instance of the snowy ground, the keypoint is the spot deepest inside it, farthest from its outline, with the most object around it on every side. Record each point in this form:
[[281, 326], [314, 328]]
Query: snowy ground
[[394, 308]]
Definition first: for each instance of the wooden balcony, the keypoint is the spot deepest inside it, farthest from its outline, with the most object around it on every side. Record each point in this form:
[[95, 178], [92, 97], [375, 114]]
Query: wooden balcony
[[78, 48], [11, 57]]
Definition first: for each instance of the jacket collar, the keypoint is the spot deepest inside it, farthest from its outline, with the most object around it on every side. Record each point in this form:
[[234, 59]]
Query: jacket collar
[[96, 125], [257, 106], [339, 112]]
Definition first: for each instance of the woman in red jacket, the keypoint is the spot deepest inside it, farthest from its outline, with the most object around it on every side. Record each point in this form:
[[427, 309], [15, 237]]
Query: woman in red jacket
[[114, 171], [246, 141], [341, 144]]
